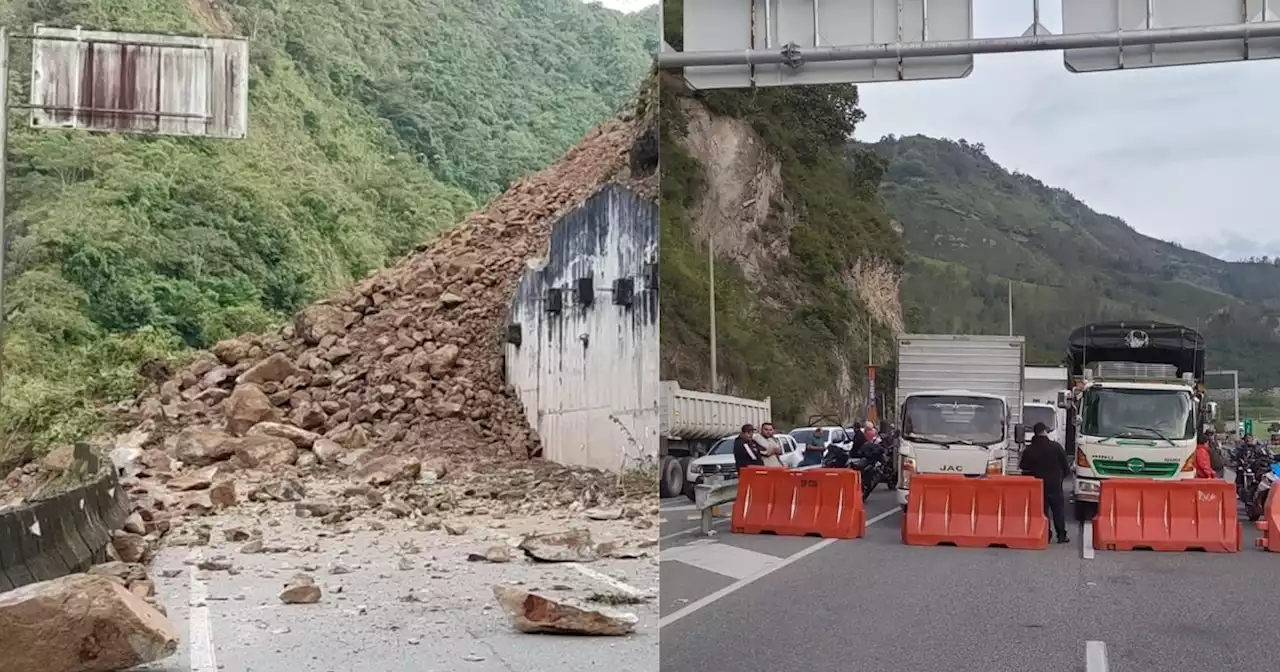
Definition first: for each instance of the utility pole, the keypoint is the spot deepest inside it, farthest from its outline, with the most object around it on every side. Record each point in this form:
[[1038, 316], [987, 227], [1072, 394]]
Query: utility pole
[[1011, 307], [711, 289], [4, 183]]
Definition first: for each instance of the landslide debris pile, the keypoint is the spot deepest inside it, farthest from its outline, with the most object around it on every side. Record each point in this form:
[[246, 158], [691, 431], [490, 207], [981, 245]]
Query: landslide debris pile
[[397, 381]]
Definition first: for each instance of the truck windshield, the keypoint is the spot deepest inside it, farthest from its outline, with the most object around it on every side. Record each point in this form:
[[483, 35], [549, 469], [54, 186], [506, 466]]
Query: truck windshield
[[1033, 414], [953, 419], [1137, 413]]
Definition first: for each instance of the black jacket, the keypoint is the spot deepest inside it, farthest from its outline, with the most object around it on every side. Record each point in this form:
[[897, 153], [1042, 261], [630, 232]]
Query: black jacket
[[746, 453], [1045, 459]]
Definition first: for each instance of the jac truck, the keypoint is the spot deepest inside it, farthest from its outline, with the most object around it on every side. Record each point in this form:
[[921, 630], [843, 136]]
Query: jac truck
[[1135, 403], [959, 404], [692, 422]]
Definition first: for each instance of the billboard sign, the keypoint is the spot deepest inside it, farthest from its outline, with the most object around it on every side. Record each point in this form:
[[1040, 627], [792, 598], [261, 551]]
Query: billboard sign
[[738, 25], [139, 83], [1107, 16]]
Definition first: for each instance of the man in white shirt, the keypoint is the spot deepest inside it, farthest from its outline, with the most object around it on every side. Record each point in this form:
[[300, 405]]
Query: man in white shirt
[[772, 447]]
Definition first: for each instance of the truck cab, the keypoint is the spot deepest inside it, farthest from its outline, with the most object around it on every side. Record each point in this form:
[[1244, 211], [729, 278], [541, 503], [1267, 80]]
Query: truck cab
[[1048, 413], [1135, 404], [958, 432]]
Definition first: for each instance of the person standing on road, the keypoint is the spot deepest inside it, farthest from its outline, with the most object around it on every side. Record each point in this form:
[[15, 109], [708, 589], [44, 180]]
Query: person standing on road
[[1216, 458], [814, 448], [772, 448], [1203, 461], [1045, 459], [746, 452]]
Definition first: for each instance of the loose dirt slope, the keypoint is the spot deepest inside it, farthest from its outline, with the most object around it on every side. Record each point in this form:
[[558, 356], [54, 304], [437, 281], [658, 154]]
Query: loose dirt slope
[[402, 370]]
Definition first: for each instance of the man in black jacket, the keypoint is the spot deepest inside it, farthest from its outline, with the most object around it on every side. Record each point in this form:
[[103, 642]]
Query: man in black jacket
[[1045, 459], [746, 452]]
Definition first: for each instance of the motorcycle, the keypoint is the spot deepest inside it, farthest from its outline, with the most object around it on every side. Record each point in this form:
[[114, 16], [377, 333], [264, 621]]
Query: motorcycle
[[875, 463], [1265, 484], [1254, 468]]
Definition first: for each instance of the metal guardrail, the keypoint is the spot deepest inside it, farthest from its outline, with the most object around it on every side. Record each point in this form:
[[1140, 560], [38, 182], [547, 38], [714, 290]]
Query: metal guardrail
[[66, 533], [707, 496]]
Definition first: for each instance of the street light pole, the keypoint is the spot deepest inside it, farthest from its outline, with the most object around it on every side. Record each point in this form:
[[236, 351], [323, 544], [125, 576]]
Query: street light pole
[[711, 289], [4, 182]]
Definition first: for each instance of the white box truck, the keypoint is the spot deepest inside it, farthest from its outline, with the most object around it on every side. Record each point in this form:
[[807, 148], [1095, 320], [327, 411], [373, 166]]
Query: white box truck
[[959, 405], [1040, 400], [692, 423], [1135, 404]]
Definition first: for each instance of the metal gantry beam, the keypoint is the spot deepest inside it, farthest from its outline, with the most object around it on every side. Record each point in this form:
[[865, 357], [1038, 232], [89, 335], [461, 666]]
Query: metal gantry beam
[[795, 55]]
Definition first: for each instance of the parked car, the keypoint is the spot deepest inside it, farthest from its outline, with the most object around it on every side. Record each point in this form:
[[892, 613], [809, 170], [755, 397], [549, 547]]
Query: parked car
[[835, 436], [719, 461]]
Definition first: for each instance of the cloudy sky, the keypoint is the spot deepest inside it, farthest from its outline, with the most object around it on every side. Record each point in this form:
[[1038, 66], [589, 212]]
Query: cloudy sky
[[1184, 154]]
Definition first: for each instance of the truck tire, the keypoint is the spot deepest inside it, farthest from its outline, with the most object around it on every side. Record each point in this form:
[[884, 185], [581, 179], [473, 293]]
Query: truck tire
[[671, 483], [684, 469]]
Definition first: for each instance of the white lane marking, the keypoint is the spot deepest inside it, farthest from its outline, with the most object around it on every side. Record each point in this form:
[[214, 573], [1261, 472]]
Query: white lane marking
[[734, 587], [199, 630], [1095, 656], [723, 559], [608, 580], [691, 530], [1086, 541]]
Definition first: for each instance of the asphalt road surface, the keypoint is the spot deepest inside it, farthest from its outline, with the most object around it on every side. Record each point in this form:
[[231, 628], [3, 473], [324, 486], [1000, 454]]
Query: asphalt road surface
[[747, 603], [402, 601]]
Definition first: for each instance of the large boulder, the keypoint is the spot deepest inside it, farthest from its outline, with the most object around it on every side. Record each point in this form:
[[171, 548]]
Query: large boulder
[[80, 623], [247, 406], [530, 612]]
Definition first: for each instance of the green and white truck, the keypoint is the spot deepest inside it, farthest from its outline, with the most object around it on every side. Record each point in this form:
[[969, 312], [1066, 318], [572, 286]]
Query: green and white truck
[[1135, 403]]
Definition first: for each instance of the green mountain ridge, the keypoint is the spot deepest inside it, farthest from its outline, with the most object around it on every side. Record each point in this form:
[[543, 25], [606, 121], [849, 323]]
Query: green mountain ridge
[[970, 227], [373, 126]]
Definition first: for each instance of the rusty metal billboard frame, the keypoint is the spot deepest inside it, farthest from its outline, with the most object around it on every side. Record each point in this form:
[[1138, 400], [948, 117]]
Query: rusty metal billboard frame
[[70, 91], [139, 83]]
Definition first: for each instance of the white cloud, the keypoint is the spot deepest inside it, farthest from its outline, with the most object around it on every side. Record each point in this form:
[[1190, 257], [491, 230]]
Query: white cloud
[[1185, 153]]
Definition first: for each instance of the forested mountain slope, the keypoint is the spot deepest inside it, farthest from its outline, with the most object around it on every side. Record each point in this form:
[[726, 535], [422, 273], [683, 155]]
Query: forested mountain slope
[[806, 262], [373, 125], [970, 227]]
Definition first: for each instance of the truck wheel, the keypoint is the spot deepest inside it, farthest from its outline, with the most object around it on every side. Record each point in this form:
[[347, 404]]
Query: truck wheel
[[672, 483], [684, 471], [1085, 511]]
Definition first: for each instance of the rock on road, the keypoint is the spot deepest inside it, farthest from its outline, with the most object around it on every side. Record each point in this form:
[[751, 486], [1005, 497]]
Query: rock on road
[[761, 603], [393, 599]]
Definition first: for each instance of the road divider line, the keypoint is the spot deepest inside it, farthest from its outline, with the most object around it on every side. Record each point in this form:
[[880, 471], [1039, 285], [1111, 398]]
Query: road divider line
[[691, 530], [1086, 540], [199, 629], [734, 587], [1095, 656], [607, 580]]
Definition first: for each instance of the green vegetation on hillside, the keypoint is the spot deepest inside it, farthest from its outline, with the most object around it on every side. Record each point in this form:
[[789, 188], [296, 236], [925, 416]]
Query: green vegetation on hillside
[[789, 341], [971, 227], [373, 125]]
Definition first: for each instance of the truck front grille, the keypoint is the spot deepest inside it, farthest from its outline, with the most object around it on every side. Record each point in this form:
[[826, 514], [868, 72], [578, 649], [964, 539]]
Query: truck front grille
[[1147, 470]]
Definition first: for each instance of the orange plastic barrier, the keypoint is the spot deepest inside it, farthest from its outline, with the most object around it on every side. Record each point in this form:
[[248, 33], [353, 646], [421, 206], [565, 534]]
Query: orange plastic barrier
[[800, 502], [1000, 511], [1191, 515], [1269, 526]]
